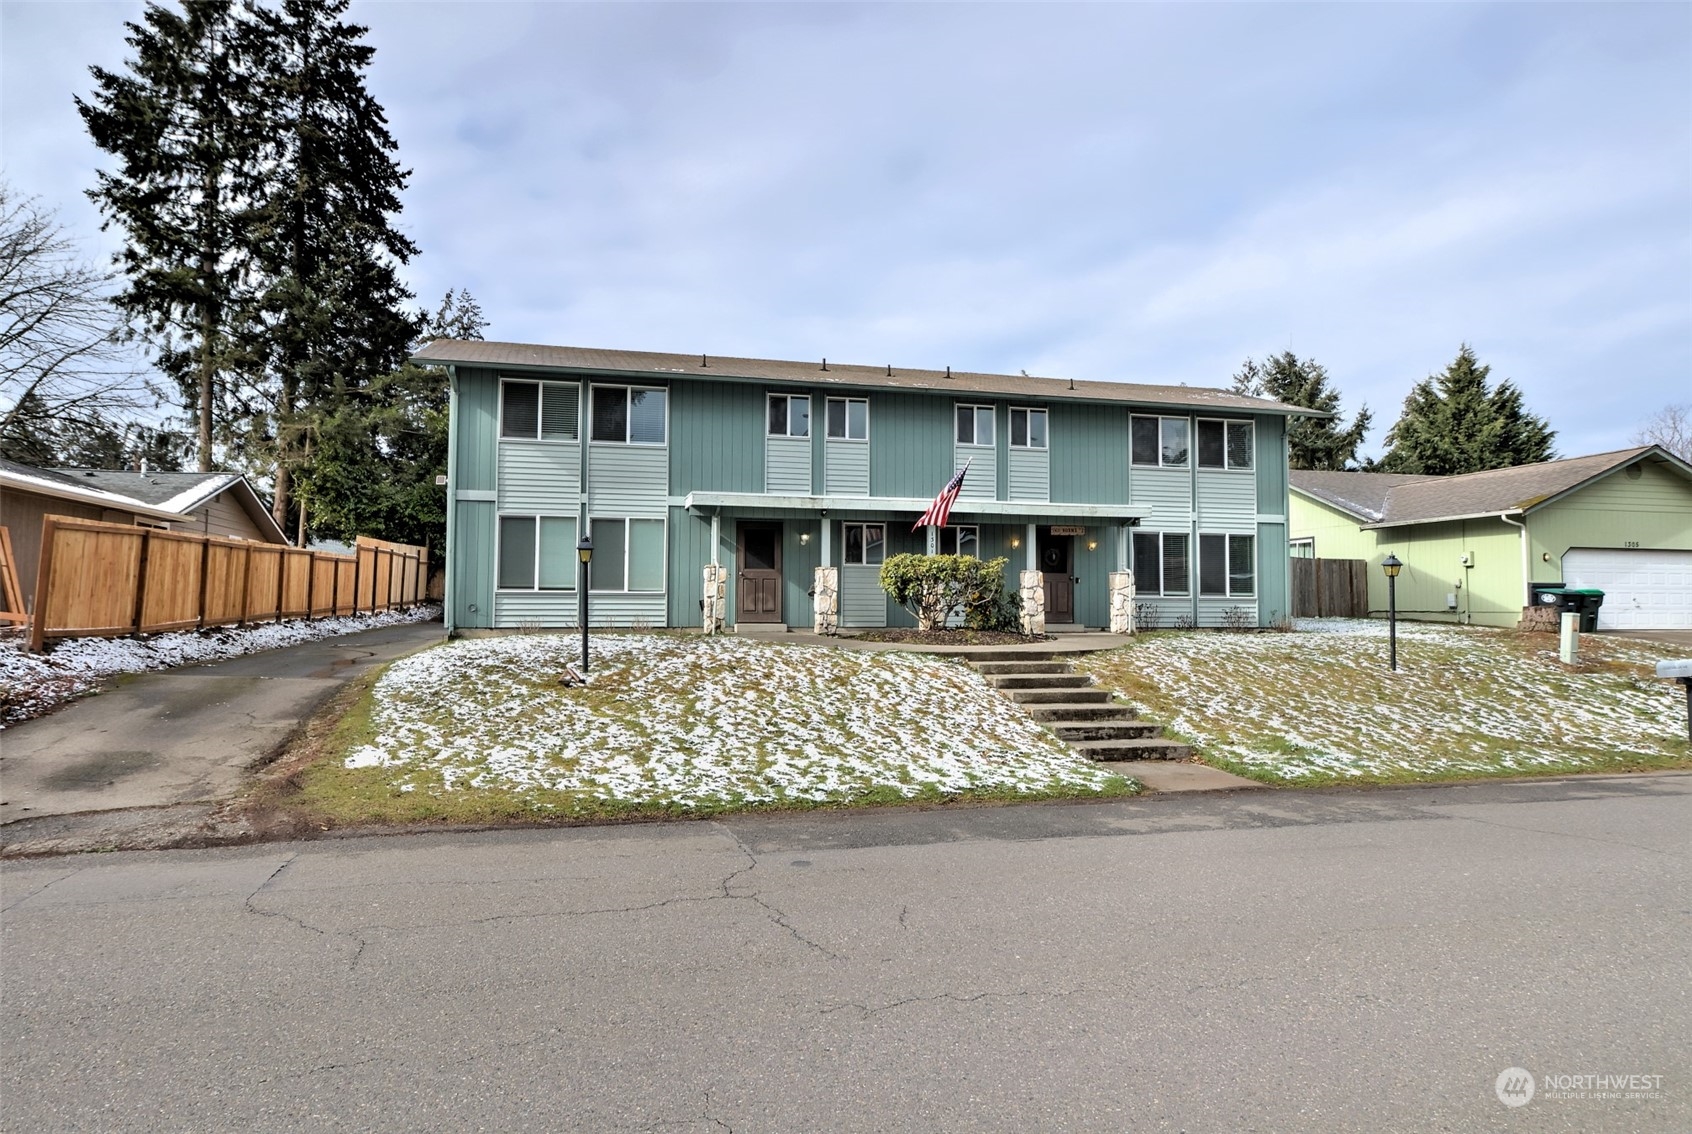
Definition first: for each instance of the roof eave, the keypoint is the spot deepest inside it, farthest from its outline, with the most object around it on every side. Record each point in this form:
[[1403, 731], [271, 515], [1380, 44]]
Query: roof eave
[[1494, 514], [1318, 498], [97, 496]]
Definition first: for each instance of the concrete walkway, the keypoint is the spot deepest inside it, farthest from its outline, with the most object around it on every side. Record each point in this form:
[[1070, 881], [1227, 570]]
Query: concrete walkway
[[182, 735]]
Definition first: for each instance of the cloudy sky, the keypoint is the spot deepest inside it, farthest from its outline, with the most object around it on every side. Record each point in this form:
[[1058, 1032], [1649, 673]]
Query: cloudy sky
[[1135, 192]]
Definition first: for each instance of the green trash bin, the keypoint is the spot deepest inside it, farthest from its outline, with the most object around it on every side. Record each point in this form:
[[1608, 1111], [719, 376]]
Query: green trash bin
[[1590, 599]]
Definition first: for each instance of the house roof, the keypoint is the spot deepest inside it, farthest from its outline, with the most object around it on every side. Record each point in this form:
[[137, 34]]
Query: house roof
[[1384, 500], [157, 495], [524, 356]]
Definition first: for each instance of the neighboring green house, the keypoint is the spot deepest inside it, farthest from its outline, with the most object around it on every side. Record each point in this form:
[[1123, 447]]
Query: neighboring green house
[[773, 469], [1472, 545]]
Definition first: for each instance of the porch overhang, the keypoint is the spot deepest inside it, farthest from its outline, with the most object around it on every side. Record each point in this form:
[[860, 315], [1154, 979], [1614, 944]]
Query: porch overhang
[[1019, 510]]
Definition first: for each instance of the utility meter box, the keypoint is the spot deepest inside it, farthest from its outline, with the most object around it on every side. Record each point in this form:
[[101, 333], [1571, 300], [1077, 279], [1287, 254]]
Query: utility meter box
[[1467, 559]]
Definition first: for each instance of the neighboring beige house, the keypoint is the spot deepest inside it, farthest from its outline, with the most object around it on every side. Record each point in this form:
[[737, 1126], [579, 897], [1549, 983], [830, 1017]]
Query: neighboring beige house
[[220, 504], [1473, 545]]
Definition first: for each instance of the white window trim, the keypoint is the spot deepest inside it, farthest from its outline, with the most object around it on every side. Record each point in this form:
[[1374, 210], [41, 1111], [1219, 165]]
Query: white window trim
[[864, 543], [540, 404], [628, 408], [1304, 541], [1228, 564], [1192, 456], [1192, 549], [1010, 436], [1193, 449], [628, 548], [786, 398], [864, 440], [992, 415], [537, 517], [976, 528]]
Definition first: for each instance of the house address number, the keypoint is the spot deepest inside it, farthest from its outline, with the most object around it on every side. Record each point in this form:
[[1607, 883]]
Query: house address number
[[1630, 543]]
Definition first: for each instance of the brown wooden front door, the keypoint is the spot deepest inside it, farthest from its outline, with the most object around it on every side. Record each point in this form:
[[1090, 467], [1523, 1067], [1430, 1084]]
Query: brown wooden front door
[[1056, 564], [758, 583]]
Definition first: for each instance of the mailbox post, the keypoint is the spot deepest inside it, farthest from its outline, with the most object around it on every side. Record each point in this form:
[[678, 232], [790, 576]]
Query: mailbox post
[[1680, 671]]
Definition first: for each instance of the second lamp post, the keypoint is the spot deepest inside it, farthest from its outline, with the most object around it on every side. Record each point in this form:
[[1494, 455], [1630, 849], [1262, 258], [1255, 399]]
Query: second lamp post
[[1392, 567], [584, 552]]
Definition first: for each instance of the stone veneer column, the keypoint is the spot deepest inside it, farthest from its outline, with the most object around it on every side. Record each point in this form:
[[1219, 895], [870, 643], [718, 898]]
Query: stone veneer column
[[714, 611], [1122, 602], [825, 601], [1033, 603]]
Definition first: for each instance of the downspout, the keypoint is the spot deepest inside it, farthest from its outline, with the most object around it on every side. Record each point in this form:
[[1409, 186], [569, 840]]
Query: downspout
[[1527, 588], [447, 607]]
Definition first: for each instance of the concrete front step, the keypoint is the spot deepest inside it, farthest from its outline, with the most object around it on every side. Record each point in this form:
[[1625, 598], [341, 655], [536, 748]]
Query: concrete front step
[[997, 668], [1009, 655], [1074, 732], [1089, 696], [1054, 714], [1041, 681], [1147, 748]]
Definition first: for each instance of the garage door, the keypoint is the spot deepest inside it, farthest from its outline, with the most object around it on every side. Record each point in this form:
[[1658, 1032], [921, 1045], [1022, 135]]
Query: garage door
[[1643, 590]]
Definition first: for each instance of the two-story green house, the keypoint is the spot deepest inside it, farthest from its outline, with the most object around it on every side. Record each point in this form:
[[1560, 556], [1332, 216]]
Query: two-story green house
[[744, 476]]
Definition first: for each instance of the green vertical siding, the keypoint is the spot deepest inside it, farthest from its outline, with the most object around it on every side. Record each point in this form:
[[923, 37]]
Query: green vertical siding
[[1089, 454], [901, 540], [910, 444], [798, 570], [478, 430], [1271, 459], [473, 577], [716, 437], [1272, 570], [471, 538], [690, 551]]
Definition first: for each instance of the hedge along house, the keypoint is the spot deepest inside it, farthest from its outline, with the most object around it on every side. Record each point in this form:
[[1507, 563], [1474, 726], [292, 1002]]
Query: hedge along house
[[771, 470], [1473, 545]]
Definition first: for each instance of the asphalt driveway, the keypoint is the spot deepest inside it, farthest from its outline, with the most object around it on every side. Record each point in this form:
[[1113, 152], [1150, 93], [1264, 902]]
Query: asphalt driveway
[[182, 735]]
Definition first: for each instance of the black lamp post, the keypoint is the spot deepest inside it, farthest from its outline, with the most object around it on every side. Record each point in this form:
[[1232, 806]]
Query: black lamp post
[[584, 552], [1392, 567]]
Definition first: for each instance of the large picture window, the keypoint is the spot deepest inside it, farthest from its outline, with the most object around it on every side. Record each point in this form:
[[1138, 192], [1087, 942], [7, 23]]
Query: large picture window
[[628, 555], [546, 411], [964, 539], [1159, 441], [848, 419], [1027, 428], [631, 415], [1224, 444], [866, 544], [537, 553], [974, 425], [1160, 563], [790, 415], [1227, 565]]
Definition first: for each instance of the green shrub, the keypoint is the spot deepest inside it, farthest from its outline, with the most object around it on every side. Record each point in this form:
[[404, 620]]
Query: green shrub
[[935, 587]]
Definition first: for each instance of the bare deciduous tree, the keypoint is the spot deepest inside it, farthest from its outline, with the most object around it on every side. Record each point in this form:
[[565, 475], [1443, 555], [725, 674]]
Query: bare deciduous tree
[[1670, 427], [63, 364]]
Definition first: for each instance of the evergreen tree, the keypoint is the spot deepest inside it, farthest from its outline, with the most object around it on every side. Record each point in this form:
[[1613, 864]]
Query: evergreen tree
[[331, 316], [186, 131], [1456, 422], [1312, 443]]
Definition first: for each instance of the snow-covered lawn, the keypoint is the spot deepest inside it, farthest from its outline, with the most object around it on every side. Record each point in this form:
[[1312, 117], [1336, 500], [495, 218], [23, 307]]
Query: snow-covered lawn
[[1320, 705], [32, 684], [689, 723]]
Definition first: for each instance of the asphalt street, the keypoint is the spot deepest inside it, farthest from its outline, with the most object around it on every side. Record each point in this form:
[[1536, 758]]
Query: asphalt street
[[1367, 961]]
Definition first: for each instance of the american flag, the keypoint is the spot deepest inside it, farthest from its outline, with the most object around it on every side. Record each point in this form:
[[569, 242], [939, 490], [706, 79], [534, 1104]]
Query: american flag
[[941, 509]]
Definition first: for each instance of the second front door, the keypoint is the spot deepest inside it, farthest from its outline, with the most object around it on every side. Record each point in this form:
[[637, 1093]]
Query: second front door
[[1059, 584], [758, 583]]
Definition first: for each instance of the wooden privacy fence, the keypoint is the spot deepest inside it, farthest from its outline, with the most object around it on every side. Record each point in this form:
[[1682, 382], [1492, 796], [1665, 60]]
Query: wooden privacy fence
[[1330, 588], [105, 580]]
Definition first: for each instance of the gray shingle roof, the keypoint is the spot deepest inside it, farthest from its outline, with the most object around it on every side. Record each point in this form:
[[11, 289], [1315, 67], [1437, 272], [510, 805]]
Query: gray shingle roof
[[156, 488], [1388, 500], [633, 362]]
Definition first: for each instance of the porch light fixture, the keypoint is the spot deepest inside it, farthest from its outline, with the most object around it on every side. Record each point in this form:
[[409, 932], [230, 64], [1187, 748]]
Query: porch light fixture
[[804, 539], [1016, 542], [1092, 545], [584, 552], [1392, 566]]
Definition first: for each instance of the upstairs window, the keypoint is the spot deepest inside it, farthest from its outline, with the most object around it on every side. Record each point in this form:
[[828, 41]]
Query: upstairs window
[[544, 410], [1028, 428], [974, 425], [1224, 444], [1160, 563], [632, 415], [848, 419], [866, 544], [790, 415], [1158, 441], [961, 540]]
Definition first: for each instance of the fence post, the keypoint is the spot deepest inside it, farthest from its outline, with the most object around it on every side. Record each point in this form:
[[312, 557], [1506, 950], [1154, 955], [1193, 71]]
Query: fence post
[[43, 572], [205, 579], [141, 581]]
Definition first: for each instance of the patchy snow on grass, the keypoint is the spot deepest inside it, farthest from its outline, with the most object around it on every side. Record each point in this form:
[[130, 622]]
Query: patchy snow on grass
[[1320, 704], [32, 684], [689, 721]]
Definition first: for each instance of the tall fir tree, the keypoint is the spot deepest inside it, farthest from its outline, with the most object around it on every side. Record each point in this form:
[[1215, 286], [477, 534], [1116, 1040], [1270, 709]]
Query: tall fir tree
[[330, 319], [186, 130], [1312, 443], [1456, 422]]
